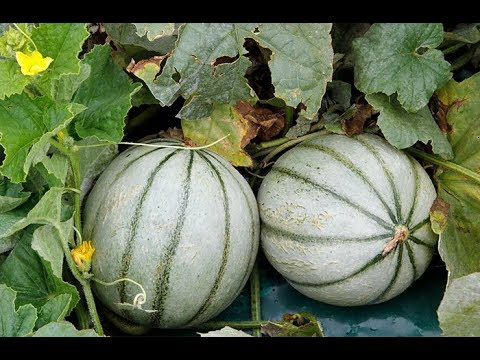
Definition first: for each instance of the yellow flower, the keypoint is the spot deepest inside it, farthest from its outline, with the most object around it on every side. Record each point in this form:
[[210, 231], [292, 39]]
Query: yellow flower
[[82, 255], [32, 64]]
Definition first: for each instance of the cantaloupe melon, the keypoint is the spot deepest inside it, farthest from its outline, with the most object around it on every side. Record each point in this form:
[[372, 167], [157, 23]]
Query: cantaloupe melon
[[346, 220]]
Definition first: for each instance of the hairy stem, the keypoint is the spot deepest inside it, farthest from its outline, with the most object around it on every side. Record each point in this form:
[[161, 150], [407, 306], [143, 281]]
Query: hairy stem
[[255, 301], [445, 164], [86, 289]]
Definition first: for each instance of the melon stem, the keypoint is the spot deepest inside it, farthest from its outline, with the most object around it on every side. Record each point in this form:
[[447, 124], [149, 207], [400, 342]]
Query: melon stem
[[401, 234]]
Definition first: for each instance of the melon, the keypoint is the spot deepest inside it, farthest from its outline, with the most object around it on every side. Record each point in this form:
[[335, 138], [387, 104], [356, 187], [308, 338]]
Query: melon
[[182, 223], [346, 220]]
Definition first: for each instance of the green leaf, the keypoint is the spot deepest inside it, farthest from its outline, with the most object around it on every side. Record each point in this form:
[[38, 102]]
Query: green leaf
[[32, 278], [301, 127], [463, 33], [224, 121], [126, 34], [459, 244], [12, 81], [402, 59], [154, 30], [301, 61], [294, 325], [403, 129], [192, 71], [63, 329], [47, 242], [94, 160], [54, 169], [107, 94], [64, 87], [11, 195], [226, 331], [54, 310], [26, 126], [62, 42], [13, 322], [8, 220], [459, 312]]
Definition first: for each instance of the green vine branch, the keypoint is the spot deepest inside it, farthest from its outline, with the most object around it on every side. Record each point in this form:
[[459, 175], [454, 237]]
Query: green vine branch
[[445, 164]]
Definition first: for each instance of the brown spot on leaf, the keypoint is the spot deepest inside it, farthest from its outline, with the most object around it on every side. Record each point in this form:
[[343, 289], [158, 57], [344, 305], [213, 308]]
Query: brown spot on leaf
[[262, 122], [439, 215], [354, 125], [439, 111], [134, 67]]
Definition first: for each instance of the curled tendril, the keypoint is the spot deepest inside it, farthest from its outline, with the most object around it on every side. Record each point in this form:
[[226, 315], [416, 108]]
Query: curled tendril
[[138, 300]]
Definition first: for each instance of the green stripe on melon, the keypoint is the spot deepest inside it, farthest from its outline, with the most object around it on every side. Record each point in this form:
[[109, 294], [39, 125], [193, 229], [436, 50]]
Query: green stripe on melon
[[330, 206], [182, 223]]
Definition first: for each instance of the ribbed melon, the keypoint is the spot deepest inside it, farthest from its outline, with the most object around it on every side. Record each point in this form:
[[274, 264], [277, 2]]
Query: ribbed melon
[[183, 223], [330, 208]]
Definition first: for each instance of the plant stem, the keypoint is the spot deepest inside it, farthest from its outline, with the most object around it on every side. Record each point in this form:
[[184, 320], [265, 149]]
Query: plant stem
[[446, 164], [74, 158], [80, 310], [87, 290], [269, 144], [255, 301], [265, 162], [240, 325]]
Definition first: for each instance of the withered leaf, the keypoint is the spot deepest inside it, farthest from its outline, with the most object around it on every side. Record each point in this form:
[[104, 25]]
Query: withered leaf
[[439, 215], [354, 125], [262, 122], [294, 325]]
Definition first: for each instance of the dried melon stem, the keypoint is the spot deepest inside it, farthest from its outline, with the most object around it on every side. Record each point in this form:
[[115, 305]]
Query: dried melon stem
[[401, 234]]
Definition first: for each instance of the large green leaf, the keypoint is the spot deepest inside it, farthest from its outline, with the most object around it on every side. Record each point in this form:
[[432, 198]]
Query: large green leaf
[[54, 169], [126, 34], [401, 58], [459, 244], [11, 195], [32, 278], [13, 322], [107, 94], [62, 42], [403, 129], [301, 61], [192, 71], [64, 87], [154, 30], [8, 220], [47, 242], [93, 160], [63, 329], [224, 121], [54, 310], [459, 311], [12, 81], [26, 126], [48, 211]]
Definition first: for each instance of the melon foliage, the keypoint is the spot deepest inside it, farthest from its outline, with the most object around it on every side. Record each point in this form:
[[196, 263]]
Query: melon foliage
[[346, 220], [182, 223]]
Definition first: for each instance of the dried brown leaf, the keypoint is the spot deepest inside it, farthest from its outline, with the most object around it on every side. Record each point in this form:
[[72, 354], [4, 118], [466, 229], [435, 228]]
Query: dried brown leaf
[[355, 124]]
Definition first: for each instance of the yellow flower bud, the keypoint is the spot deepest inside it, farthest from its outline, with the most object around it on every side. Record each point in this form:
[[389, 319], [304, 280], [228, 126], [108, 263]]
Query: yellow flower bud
[[32, 64], [82, 255]]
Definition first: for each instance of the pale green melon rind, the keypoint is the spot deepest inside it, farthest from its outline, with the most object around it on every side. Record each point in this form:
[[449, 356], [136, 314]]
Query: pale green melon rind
[[225, 278], [358, 284]]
